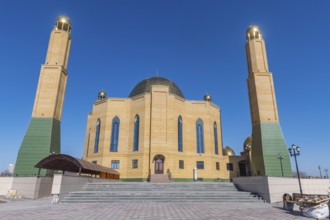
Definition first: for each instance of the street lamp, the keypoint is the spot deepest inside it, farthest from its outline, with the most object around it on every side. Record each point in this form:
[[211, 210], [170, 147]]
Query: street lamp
[[320, 172], [326, 171], [294, 152], [280, 157]]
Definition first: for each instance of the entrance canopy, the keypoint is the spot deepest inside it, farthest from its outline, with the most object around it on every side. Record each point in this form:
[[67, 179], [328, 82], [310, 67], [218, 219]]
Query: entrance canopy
[[67, 163]]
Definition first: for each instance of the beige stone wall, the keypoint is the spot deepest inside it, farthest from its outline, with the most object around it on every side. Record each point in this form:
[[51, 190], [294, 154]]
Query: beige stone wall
[[273, 188], [58, 48], [64, 184], [99, 112], [234, 160], [260, 84], [257, 57], [53, 77], [262, 98], [33, 187], [5, 184], [158, 135], [50, 92]]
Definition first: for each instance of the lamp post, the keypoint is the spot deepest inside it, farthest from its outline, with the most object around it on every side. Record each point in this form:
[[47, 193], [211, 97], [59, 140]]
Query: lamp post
[[294, 152], [320, 172], [280, 157], [326, 172]]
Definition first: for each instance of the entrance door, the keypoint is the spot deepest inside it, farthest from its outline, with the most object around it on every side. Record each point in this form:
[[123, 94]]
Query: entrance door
[[159, 166], [242, 168]]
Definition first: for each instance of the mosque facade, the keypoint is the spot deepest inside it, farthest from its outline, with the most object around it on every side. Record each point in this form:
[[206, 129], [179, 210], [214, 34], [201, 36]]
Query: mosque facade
[[155, 133]]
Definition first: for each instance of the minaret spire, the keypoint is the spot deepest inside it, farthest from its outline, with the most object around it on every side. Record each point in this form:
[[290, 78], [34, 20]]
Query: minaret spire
[[260, 80], [53, 75], [59, 42], [256, 50], [43, 134], [267, 138]]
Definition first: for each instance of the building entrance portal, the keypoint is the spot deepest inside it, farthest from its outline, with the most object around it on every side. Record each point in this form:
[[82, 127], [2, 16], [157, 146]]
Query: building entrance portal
[[242, 168], [159, 164]]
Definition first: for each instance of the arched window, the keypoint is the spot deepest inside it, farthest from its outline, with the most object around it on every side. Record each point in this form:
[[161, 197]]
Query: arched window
[[136, 133], [215, 131], [200, 136], [180, 145], [97, 136], [114, 134]]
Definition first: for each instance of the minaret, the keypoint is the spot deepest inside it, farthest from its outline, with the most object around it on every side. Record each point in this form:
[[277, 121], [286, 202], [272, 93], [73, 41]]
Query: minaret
[[43, 134], [267, 137]]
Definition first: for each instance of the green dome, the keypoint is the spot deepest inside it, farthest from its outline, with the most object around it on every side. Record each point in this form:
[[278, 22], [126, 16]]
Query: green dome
[[145, 86]]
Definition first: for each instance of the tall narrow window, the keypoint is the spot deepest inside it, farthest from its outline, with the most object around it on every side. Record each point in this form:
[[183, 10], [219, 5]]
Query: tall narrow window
[[180, 146], [200, 136], [97, 136], [136, 133], [89, 136], [114, 134], [215, 131]]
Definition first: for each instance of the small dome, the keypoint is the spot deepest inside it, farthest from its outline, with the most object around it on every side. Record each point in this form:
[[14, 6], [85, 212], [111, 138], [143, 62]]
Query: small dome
[[227, 151], [63, 23], [101, 95], [64, 19], [207, 97], [253, 32], [145, 86], [247, 143]]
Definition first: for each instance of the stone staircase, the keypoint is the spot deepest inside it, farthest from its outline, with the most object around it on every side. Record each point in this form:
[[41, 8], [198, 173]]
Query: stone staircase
[[159, 192], [159, 178]]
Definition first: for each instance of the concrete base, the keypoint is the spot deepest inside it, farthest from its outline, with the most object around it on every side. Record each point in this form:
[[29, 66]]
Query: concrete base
[[39, 187], [32, 187], [271, 189], [5, 185], [63, 184]]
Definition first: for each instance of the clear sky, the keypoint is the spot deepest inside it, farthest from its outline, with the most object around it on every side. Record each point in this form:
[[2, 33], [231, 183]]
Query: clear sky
[[197, 44]]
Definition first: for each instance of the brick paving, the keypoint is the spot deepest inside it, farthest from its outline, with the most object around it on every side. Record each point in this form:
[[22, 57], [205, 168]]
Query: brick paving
[[42, 209]]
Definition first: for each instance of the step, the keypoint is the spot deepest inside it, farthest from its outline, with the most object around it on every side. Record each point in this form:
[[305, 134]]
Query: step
[[160, 201], [159, 192]]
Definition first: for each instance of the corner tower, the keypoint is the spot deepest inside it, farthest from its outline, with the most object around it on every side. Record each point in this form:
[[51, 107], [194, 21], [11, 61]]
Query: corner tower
[[43, 134], [267, 136]]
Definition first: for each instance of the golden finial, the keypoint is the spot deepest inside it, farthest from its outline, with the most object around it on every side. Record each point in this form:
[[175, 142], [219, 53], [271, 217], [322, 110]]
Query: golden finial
[[101, 95], [207, 97], [253, 32], [63, 23]]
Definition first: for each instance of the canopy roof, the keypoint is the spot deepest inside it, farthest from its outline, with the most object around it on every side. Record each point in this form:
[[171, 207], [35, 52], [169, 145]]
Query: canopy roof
[[67, 163]]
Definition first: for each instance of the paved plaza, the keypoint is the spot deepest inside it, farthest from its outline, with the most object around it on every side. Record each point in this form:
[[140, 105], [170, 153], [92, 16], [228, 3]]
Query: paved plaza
[[42, 209]]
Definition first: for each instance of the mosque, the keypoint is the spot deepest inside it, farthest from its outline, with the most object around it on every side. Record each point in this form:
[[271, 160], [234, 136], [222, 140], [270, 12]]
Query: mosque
[[156, 131], [155, 134]]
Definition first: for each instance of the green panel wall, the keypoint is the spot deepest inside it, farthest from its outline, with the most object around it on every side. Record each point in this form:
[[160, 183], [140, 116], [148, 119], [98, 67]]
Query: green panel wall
[[267, 142], [41, 138]]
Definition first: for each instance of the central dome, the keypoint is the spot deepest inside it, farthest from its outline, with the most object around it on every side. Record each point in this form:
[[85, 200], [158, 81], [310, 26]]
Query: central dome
[[145, 86]]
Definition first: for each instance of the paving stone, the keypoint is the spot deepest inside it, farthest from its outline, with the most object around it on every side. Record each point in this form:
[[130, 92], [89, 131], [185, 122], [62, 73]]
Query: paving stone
[[42, 209]]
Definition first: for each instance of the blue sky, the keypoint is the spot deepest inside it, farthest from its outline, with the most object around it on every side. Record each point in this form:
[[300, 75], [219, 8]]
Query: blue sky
[[197, 44]]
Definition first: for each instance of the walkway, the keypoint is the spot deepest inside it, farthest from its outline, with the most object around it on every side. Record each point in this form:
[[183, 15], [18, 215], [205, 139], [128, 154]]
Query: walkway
[[42, 209]]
